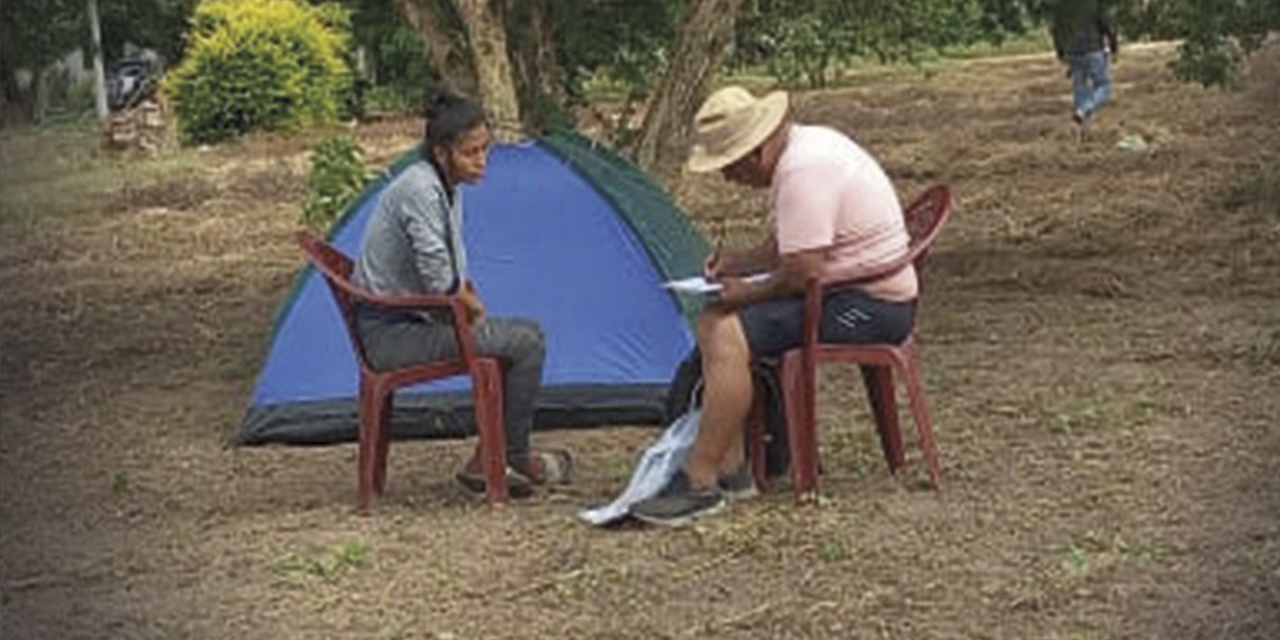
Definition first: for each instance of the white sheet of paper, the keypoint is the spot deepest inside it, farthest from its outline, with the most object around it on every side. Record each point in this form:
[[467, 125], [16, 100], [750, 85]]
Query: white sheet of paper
[[699, 284], [696, 284]]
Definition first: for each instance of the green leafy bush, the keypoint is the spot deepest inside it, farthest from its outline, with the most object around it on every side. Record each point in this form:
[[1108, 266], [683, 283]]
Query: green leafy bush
[[270, 65], [337, 176], [404, 72], [1217, 35]]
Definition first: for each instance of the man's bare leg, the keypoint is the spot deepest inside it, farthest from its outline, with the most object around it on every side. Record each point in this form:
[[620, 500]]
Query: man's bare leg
[[726, 398]]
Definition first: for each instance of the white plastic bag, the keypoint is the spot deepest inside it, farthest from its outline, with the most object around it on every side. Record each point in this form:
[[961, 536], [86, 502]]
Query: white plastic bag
[[659, 462]]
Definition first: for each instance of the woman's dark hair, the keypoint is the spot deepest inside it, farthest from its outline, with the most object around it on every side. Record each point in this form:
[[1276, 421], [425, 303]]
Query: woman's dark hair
[[448, 117]]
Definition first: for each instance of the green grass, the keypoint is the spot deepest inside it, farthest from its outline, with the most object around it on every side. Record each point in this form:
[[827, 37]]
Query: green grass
[[1036, 41], [853, 451], [59, 170], [121, 484], [1264, 348], [1087, 553], [1078, 417], [1261, 560], [1076, 559], [834, 550], [586, 581], [1248, 188], [1106, 408], [1144, 550], [443, 576], [325, 564]]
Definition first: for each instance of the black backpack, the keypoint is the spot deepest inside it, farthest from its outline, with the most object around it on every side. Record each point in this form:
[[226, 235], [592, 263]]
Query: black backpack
[[764, 375]]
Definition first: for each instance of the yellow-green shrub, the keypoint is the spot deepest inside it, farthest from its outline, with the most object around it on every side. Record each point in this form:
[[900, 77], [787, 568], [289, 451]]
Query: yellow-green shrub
[[271, 65]]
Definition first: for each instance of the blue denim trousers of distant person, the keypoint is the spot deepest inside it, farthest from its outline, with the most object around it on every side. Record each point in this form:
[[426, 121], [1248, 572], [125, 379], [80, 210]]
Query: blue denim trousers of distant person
[[1090, 82]]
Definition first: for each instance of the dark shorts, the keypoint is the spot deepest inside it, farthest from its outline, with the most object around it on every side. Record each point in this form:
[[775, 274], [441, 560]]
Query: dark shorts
[[848, 316]]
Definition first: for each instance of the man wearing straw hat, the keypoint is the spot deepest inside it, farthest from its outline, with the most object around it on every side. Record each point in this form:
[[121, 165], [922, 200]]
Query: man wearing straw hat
[[834, 214]]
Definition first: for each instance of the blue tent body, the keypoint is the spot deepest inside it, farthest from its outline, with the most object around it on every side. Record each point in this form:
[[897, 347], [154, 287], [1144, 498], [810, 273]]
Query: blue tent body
[[560, 230]]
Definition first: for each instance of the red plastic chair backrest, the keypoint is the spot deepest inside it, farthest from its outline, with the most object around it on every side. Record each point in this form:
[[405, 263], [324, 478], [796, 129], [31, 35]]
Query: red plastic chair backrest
[[923, 218], [336, 269]]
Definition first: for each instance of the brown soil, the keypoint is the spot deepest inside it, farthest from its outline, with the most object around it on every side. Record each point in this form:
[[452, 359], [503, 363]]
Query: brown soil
[[1102, 353]]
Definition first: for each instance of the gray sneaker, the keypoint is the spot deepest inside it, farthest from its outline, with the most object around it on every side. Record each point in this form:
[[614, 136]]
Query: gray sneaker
[[678, 503], [740, 485]]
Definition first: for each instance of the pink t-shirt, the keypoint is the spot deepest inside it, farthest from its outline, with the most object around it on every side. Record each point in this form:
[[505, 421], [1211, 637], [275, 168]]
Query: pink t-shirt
[[828, 192]]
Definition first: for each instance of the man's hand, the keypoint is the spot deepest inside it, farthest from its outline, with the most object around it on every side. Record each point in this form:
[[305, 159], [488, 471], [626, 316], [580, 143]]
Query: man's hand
[[713, 266], [734, 293], [737, 291]]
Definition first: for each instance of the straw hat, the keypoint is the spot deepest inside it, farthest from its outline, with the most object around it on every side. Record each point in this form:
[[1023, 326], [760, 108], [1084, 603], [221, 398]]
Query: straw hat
[[730, 124]]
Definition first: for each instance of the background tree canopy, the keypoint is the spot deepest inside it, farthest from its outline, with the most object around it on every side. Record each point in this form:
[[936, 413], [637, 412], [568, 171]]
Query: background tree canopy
[[812, 39], [532, 61], [1216, 34]]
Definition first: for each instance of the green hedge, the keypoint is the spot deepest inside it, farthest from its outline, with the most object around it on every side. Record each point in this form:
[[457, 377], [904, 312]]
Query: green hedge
[[269, 65]]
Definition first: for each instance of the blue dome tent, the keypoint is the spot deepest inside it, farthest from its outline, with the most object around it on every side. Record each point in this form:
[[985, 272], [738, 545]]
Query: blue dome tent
[[560, 230]]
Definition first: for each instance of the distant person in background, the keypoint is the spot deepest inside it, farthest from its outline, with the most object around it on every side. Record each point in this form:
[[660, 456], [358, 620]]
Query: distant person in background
[[413, 245], [1082, 36]]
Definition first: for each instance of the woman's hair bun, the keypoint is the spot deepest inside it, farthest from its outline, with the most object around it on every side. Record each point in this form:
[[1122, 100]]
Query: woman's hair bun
[[440, 102], [449, 115]]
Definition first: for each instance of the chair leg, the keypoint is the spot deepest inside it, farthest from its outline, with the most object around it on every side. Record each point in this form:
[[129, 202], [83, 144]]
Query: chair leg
[[369, 403], [884, 408], [755, 441], [385, 410], [801, 430], [488, 402], [924, 426]]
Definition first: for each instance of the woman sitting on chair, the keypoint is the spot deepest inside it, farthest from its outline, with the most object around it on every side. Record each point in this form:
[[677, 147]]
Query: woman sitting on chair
[[413, 245]]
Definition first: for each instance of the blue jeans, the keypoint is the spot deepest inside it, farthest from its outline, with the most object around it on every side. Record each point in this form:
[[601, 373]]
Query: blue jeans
[[1090, 82]]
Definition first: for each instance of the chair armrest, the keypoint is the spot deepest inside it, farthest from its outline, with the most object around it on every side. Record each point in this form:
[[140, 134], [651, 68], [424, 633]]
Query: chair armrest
[[422, 302], [412, 302], [337, 269]]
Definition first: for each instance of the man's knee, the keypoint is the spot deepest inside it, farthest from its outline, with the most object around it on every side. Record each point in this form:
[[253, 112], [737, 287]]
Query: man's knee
[[721, 334]]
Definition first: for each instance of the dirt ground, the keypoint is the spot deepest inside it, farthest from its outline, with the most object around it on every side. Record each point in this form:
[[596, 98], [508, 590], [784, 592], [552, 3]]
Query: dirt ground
[[1102, 351]]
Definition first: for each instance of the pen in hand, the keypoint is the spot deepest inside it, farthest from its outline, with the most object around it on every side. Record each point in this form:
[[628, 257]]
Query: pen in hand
[[711, 266]]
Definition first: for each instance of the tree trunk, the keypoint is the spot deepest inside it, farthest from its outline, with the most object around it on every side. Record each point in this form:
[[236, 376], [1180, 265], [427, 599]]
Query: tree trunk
[[99, 74], [700, 46], [446, 45], [546, 64], [487, 32], [539, 83]]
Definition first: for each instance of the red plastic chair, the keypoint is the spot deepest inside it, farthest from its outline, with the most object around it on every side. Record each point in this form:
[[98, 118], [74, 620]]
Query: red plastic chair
[[377, 388], [798, 372]]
